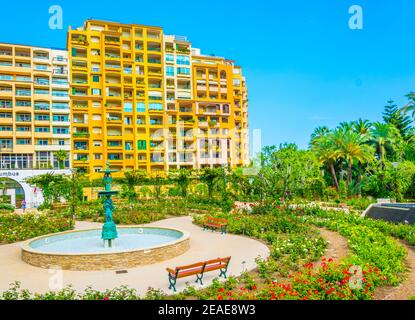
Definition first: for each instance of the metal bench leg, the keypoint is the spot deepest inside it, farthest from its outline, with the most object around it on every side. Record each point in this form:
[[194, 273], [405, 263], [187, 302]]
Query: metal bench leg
[[199, 278], [223, 272], [172, 283]]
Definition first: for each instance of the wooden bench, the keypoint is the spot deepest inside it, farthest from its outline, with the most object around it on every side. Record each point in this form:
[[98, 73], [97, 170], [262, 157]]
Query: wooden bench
[[198, 269], [215, 223]]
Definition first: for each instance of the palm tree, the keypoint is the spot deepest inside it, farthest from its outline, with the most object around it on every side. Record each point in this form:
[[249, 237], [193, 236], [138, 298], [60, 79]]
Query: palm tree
[[130, 180], [327, 154], [362, 126], [353, 148], [383, 135], [318, 133], [345, 126], [61, 155], [410, 106], [210, 177]]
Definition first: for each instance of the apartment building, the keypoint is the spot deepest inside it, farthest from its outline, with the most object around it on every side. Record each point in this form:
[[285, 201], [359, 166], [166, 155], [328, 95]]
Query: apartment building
[[34, 107], [141, 99]]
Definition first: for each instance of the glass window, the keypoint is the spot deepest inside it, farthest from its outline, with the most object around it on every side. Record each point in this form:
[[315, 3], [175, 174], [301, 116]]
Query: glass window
[[170, 71], [185, 60], [155, 106], [128, 107], [183, 71], [169, 58], [140, 107]]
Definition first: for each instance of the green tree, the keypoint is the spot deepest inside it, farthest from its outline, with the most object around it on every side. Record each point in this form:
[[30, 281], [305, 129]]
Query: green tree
[[51, 185], [383, 136], [395, 116], [327, 154], [352, 148], [362, 127], [61, 155], [289, 171], [183, 178], [210, 177], [130, 180]]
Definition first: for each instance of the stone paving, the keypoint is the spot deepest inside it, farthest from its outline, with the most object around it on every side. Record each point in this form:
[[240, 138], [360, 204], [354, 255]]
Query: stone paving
[[204, 245]]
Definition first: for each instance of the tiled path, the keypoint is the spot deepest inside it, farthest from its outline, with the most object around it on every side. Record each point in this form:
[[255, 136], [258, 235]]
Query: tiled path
[[204, 245]]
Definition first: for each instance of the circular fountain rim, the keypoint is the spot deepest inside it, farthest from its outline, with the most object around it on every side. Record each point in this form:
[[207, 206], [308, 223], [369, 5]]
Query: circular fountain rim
[[26, 244]]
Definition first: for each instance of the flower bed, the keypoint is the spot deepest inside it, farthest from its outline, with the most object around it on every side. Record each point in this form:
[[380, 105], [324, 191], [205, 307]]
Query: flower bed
[[143, 211], [15, 227]]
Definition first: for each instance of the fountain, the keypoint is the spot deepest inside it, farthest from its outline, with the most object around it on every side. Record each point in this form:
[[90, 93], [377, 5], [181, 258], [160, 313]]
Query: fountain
[[109, 229], [84, 250]]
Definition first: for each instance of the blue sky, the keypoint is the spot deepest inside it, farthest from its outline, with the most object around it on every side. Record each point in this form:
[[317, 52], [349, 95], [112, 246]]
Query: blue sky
[[304, 66]]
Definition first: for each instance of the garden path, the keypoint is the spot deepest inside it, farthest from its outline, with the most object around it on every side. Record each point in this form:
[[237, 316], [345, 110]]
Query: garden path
[[337, 248], [407, 288], [204, 245]]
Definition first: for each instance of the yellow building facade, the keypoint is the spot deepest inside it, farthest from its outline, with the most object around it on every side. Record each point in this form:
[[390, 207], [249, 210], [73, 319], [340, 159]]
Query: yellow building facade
[[141, 99]]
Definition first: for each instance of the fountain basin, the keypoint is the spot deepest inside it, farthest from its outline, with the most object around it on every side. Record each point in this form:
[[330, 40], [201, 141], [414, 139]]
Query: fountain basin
[[84, 250]]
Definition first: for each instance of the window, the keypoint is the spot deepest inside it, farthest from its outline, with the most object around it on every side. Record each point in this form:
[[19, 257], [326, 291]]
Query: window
[[60, 130], [128, 107], [23, 129], [169, 58], [23, 103], [97, 156], [42, 129], [5, 77], [23, 141], [140, 107], [60, 81], [42, 142], [58, 93], [142, 144], [96, 92], [60, 118], [41, 91], [95, 78], [5, 128], [185, 71], [61, 142], [41, 67], [155, 106], [170, 71], [60, 106], [184, 60], [42, 117]]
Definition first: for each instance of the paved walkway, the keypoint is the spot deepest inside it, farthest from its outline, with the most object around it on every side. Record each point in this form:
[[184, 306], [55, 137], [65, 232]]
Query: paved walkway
[[203, 245]]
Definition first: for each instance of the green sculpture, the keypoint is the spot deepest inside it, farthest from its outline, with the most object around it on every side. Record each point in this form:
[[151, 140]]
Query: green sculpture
[[109, 229]]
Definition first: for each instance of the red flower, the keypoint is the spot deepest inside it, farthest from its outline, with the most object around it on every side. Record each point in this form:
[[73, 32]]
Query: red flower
[[220, 297]]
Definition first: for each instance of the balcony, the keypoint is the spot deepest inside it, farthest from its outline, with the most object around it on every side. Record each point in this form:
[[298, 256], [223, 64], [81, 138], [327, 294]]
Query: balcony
[[110, 40], [84, 135], [5, 52], [60, 72], [42, 82], [23, 93], [79, 39]]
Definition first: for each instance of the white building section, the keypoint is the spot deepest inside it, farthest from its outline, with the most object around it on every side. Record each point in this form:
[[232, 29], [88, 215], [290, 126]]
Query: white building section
[[33, 195]]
